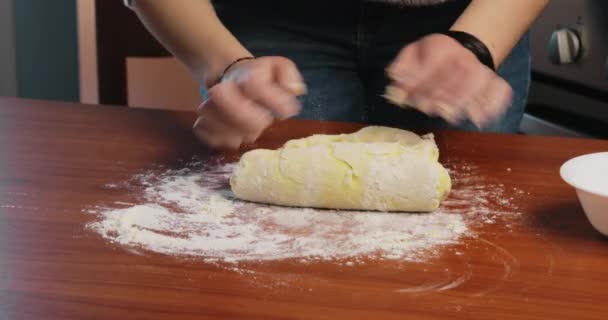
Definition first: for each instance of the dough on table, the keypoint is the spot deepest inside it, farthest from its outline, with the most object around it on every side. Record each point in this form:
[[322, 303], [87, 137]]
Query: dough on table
[[376, 168]]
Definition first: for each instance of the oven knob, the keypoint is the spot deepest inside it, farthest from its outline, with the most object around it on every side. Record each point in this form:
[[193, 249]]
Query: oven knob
[[564, 46]]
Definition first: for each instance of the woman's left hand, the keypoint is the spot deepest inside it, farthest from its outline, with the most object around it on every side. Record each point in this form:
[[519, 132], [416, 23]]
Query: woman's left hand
[[438, 76]]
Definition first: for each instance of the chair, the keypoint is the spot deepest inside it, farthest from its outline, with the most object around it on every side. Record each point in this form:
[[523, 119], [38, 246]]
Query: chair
[[119, 35]]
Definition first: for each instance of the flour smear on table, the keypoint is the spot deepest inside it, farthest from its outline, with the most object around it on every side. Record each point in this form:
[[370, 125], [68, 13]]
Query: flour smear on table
[[191, 212]]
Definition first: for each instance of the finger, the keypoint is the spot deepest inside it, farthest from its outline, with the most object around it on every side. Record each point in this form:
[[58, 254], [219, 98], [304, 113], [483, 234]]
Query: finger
[[449, 112], [451, 91], [462, 91], [207, 132], [495, 98], [405, 74], [478, 79], [409, 83], [251, 138], [238, 111], [430, 97], [281, 102], [214, 134], [204, 105], [422, 104], [407, 57], [288, 77], [395, 95]]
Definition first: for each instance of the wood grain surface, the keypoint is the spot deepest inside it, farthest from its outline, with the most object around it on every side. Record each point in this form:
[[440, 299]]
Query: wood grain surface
[[56, 158]]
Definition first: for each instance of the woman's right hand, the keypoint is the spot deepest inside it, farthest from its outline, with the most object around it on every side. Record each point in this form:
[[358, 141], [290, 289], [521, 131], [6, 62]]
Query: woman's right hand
[[248, 99]]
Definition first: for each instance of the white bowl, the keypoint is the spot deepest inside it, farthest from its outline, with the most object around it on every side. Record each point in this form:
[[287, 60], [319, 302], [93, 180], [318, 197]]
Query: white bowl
[[589, 175]]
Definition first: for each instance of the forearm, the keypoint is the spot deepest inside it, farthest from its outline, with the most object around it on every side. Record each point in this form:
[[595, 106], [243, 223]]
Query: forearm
[[193, 33], [499, 24]]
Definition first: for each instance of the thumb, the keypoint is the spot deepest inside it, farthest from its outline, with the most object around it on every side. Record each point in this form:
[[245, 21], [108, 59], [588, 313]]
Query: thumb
[[288, 76]]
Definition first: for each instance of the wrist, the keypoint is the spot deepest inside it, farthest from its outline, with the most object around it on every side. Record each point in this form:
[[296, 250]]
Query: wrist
[[211, 78], [474, 45], [212, 73], [232, 65]]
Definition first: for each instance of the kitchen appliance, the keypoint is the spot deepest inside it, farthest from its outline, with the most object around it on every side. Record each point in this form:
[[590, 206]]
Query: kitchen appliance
[[569, 92]]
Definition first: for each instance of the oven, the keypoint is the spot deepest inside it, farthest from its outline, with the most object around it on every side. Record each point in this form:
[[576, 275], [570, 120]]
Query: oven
[[569, 92]]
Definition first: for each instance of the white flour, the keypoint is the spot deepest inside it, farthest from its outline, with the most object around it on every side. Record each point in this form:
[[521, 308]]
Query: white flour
[[191, 212]]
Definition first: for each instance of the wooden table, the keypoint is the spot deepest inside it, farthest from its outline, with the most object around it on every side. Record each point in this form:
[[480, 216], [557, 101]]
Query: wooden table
[[55, 159]]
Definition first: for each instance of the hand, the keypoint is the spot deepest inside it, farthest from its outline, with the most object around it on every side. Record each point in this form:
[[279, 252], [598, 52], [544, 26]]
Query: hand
[[438, 76], [252, 94]]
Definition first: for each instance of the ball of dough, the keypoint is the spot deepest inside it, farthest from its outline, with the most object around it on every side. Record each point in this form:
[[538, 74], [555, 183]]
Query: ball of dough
[[376, 168]]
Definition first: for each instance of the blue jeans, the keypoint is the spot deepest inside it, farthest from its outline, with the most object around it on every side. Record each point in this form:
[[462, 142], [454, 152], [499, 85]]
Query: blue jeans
[[342, 48]]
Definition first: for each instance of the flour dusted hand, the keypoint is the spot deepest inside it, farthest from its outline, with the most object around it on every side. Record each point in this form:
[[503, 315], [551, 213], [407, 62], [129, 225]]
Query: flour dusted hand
[[376, 168], [251, 95]]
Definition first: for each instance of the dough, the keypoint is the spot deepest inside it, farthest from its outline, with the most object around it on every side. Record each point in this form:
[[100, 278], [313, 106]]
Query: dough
[[376, 168]]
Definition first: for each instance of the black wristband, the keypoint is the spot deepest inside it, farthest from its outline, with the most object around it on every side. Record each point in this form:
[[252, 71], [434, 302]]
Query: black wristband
[[479, 49]]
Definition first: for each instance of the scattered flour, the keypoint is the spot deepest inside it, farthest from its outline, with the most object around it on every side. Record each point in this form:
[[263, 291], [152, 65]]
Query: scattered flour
[[192, 212]]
